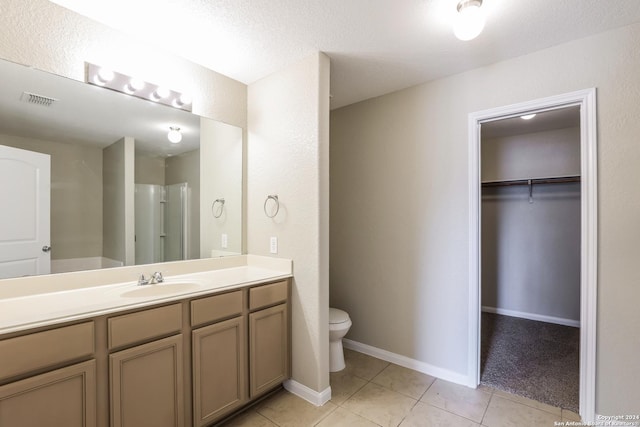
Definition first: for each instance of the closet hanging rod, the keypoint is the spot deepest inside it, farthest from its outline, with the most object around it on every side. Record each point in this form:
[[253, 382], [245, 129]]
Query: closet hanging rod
[[549, 180]]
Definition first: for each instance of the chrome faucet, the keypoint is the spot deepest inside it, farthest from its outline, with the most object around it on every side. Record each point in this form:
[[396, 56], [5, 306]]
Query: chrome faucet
[[154, 279], [157, 278], [142, 280]]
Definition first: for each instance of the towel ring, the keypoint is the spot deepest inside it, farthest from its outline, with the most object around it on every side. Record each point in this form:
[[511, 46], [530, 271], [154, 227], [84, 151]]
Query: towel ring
[[273, 197], [217, 213]]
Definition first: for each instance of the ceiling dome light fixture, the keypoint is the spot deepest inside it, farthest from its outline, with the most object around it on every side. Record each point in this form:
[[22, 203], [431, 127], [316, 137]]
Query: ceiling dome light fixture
[[469, 21], [174, 135], [527, 116]]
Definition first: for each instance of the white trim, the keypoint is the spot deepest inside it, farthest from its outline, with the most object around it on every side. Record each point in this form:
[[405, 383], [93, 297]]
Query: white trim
[[304, 392], [532, 316], [586, 99], [407, 362]]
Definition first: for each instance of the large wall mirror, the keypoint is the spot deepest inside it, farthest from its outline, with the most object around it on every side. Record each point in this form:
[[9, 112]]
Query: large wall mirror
[[120, 192]]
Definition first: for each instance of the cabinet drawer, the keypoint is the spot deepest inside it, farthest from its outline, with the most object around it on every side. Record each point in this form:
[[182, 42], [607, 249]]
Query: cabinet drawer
[[263, 296], [210, 309], [63, 397], [144, 325], [31, 352]]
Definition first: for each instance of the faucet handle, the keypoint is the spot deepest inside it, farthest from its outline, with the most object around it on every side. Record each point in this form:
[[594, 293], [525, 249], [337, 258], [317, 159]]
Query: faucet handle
[[142, 280], [157, 277]]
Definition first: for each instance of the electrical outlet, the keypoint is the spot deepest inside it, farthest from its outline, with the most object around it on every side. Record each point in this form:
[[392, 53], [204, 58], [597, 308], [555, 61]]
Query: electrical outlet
[[224, 241], [273, 245]]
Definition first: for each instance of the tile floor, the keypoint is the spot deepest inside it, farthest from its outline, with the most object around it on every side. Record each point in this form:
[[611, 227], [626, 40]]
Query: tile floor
[[370, 392]]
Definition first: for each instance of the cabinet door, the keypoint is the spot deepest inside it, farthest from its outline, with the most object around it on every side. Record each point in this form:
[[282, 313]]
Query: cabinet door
[[147, 385], [219, 367], [62, 398], [268, 349]]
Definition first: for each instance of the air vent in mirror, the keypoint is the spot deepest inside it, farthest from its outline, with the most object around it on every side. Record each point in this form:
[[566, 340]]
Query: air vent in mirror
[[33, 98]]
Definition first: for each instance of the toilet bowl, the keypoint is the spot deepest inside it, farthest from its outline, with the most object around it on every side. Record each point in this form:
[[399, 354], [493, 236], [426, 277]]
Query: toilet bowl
[[339, 324]]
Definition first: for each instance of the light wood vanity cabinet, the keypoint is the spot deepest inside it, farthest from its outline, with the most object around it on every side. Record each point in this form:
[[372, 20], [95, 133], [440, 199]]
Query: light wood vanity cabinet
[[192, 362], [43, 393], [63, 397], [219, 356], [146, 381], [268, 337], [219, 370]]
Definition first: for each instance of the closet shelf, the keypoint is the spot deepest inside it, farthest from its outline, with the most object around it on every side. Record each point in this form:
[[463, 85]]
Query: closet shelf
[[547, 180]]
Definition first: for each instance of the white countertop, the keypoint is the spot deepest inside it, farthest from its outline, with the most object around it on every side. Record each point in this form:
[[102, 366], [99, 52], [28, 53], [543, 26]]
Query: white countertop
[[61, 305]]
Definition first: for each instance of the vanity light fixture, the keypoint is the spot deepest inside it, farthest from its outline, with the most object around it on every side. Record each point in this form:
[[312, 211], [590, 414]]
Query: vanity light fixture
[[469, 21], [174, 135], [527, 116], [119, 82]]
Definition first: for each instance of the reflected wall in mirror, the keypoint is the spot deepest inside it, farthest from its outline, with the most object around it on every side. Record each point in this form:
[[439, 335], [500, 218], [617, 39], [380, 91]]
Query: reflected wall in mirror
[[120, 192]]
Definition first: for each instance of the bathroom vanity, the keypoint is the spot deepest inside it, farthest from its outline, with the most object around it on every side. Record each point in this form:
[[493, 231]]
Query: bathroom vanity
[[188, 351]]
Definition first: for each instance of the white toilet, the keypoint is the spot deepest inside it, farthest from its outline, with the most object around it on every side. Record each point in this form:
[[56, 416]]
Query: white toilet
[[339, 324]]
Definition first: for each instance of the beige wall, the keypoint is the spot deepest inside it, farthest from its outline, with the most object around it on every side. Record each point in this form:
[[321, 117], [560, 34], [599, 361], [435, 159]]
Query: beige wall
[[118, 201], [221, 177], [76, 195], [186, 168], [531, 155], [49, 37], [288, 149], [531, 248], [149, 169], [400, 206]]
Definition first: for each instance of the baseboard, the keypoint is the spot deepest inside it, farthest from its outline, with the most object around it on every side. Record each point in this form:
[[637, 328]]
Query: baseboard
[[532, 316], [304, 392], [407, 362]]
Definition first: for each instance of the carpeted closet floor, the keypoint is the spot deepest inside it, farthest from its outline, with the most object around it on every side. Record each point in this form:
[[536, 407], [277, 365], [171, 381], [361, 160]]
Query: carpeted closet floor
[[533, 359]]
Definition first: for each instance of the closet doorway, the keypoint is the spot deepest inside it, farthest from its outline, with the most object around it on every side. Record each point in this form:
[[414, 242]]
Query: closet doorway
[[533, 247], [530, 256]]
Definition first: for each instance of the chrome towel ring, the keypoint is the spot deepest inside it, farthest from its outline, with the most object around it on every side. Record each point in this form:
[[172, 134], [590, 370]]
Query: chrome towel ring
[[217, 213], [273, 197]]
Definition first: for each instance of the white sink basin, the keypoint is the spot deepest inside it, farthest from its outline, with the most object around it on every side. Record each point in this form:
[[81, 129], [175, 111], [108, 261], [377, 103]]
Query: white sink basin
[[161, 289]]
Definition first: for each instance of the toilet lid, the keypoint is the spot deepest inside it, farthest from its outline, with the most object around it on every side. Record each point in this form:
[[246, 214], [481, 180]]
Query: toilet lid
[[337, 316]]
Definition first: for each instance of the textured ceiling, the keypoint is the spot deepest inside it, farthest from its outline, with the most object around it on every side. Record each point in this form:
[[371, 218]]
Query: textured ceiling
[[375, 46]]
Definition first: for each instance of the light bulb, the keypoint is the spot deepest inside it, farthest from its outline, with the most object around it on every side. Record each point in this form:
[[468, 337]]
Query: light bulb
[[160, 93], [469, 21], [103, 77], [182, 100], [134, 85], [174, 135]]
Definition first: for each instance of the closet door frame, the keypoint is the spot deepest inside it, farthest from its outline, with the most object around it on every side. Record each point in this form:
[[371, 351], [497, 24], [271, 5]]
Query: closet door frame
[[586, 99]]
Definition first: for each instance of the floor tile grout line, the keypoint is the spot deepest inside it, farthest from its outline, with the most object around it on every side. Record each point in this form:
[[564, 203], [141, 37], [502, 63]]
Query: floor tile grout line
[[455, 413], [410, 410], [484, 414], [326, 415]]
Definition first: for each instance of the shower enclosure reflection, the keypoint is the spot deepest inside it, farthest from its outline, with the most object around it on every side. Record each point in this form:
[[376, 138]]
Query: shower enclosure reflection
[[161, 222]]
